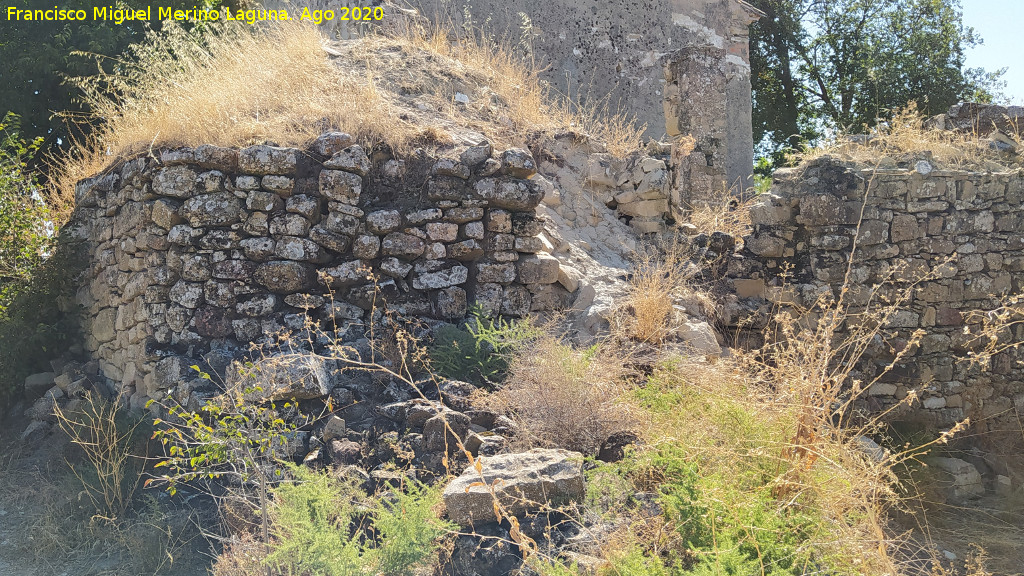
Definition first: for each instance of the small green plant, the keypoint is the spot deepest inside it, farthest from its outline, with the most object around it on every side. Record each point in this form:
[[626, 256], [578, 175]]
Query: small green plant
[[232, 440], [323, 526], [479, 351]]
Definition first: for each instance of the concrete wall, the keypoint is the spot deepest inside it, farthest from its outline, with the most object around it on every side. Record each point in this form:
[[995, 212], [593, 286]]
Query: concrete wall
[[914, 219]]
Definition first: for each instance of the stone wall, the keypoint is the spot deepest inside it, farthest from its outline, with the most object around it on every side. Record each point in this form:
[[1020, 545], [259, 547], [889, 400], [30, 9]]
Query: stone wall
[[194, 252], [963, 228], [211, 248], [680, 67]]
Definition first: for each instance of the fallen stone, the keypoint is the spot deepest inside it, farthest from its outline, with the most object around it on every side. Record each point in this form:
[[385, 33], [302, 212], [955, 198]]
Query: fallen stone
[[282, 377], [37, 384], [334, 429], [537, 269], [522, 482], [518, 163], [476, 155], [961, 479], [701, 337], [438, 438]]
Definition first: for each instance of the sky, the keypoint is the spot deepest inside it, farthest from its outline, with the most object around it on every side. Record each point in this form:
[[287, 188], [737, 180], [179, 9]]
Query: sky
[[998, 22]]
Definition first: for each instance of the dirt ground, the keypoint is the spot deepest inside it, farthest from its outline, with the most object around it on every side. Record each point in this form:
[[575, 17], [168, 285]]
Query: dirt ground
[[49, 528]]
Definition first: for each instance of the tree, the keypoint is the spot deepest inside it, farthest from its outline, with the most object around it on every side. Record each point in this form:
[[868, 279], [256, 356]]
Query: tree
[[845, 64], [25, 233], [36, 57]]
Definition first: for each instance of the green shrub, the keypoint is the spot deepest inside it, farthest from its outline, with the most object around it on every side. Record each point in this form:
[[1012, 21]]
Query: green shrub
[[406, 528], [724, 524], [313, 526], [324, 527], [36, 271], [479, 351]]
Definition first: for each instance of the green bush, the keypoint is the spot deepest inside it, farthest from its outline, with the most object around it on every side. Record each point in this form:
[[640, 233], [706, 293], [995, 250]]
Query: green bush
[[480, 350], [725, 525], [325, 527], [37, 270]]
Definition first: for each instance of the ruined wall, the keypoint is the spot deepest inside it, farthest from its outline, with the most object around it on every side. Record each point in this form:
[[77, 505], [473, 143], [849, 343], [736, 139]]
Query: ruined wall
[[681, 67], [914, 219], [199, 252], [211, 248]]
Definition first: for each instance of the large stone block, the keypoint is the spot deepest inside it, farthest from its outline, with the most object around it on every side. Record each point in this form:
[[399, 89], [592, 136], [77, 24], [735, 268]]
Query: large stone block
[[524, 482], [341, 186], [537, 269], [516, 195], [220, 209], [175, 181], [441, 278], [352, 159], [283, 377], [285, 277], [404, 246], [267, 160]]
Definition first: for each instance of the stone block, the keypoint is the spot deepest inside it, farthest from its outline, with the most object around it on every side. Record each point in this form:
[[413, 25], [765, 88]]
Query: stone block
[[267, 160], [383, 221], [341, 186], [537, 269], [285, 277], [219, 209], [404, 246], [352, 159], [443, 278]]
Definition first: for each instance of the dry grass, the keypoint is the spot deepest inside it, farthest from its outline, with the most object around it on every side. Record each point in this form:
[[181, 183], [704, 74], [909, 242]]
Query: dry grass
[[566, 398], [239, 85], [107, 438], [740, 432], [662, 278], [906, 137], [242, 556], [725, 212]]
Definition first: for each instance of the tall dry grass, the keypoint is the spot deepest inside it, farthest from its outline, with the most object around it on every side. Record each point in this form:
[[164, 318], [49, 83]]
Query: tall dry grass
[[238, 85], [907, 135], [662, 278], [566, 398]]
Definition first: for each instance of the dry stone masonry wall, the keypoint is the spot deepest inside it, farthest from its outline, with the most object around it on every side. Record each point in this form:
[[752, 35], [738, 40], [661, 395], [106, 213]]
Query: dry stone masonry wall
[[211, 248], [964, 229]]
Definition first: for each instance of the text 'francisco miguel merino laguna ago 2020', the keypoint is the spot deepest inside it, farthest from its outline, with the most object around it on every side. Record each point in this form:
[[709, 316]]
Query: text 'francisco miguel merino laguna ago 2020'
[[121, 15]]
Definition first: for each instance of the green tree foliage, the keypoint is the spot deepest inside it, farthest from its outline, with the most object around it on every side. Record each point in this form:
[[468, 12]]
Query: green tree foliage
[[24, 227], [36, 271], [845, 64], [36, 57]]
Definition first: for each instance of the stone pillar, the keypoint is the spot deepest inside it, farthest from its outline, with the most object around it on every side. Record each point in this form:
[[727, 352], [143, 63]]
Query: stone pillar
[[708, 97], [695, 107]]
